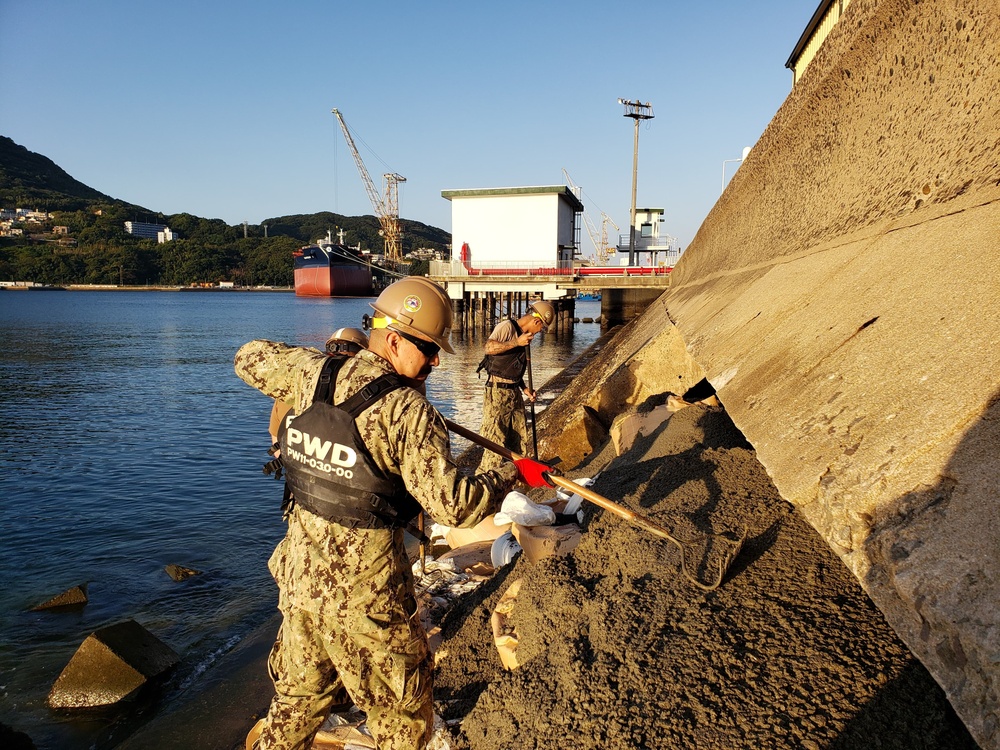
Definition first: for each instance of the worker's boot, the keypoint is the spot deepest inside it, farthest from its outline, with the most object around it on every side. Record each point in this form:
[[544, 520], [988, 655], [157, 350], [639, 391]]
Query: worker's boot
[[254, 735]]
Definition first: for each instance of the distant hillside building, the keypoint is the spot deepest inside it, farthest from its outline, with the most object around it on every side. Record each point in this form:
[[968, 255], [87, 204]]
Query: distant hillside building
[[514, 227], [159, 232]]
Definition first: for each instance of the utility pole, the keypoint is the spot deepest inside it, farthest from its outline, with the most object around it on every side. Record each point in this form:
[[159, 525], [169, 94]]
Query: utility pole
[[637, 111]]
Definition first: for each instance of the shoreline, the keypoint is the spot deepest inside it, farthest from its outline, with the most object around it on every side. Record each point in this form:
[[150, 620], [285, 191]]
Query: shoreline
[[218, 710]]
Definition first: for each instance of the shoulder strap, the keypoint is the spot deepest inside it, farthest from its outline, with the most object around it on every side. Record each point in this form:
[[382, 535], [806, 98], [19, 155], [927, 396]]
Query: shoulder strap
[[327, 378], [371, 393]]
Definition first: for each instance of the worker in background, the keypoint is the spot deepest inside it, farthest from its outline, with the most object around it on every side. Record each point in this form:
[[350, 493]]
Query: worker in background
[[350, 629], [348, 341], [505, 362]]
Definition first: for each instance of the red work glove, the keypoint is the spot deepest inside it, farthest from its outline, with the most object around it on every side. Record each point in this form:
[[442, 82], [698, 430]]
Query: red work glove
[[533, 473]]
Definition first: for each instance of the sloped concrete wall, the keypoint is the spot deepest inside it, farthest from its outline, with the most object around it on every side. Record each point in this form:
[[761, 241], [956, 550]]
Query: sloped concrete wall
[[844, 298]]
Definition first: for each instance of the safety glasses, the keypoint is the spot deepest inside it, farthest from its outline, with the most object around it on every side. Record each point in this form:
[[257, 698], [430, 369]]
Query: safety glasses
[[428, 348]]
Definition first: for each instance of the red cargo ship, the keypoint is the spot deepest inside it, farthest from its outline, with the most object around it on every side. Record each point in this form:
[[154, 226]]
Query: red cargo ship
[[328, 270]]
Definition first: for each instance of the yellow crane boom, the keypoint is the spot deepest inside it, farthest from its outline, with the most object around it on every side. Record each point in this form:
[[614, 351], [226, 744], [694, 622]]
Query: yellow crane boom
[[604, 251], [387, 207]]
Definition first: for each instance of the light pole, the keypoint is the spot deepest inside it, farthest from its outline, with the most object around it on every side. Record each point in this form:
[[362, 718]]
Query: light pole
[[637, 111], [746, 150]]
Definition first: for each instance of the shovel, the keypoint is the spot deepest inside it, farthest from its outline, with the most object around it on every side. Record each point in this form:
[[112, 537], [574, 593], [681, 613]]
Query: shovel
[[531, 387], [731, 543]]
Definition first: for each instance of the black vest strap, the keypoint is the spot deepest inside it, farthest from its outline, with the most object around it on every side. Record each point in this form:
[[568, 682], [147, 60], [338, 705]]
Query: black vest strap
[[370, 394]]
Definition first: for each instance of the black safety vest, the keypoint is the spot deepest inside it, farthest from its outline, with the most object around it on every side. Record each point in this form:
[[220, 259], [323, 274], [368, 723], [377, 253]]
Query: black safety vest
[[328, 468], [510, 365]]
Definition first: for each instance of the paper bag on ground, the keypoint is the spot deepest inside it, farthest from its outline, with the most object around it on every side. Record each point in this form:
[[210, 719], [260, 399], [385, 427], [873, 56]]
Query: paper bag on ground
[[504, 635], [485, 530], [628, 427], [471, 558], [539, 542]]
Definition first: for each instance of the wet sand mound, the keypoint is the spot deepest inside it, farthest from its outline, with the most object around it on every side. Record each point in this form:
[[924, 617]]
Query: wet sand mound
[[619, 651]]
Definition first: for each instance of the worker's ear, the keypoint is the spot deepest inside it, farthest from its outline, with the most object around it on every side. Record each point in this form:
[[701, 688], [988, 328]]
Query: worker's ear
[[392, 340]]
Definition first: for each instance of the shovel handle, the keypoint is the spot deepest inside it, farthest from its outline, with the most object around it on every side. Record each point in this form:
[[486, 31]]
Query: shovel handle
[[531, 387]]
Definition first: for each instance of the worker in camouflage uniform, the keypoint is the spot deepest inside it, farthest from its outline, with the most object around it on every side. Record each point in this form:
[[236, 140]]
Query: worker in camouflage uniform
[[350, 630], [505, 363]]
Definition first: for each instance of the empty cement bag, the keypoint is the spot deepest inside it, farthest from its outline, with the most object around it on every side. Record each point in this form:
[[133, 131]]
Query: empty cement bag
[[110, 666], [517, 508]]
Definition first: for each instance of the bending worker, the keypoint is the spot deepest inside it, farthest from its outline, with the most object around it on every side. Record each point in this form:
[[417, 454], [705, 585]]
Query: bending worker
[[505, 362], [359, 472], [347, 341]]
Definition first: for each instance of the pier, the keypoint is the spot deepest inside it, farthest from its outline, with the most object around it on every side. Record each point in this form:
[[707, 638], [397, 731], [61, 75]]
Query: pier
[[481, 297]]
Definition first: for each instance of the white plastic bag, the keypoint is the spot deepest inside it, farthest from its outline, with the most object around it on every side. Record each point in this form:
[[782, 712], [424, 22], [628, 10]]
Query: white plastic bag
[[517, 508]]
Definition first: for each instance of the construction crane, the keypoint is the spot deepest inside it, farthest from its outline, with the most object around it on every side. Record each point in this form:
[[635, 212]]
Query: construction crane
[[604, 251], [600, 244], [387, 207]]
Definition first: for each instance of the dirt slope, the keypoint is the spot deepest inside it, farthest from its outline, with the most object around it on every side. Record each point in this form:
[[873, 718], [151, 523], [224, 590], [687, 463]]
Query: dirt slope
[[618, 651]]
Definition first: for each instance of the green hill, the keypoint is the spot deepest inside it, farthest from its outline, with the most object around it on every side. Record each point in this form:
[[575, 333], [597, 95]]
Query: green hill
[[97, 250], [30, 180]]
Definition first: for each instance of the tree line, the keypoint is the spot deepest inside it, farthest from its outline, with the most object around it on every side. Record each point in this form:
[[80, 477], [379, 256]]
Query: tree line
[[208, 251]]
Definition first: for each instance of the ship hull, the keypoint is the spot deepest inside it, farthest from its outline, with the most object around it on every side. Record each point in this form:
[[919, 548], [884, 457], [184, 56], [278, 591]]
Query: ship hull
[[324, 271]]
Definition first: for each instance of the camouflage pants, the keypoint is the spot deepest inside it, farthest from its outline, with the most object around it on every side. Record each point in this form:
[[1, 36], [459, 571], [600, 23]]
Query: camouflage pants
[[503, 422], [367, 643]]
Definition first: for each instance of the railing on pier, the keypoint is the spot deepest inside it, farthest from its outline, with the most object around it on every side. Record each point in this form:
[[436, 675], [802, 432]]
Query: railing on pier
[[654, 247], [457, 268], [623, 270], [512, 268]]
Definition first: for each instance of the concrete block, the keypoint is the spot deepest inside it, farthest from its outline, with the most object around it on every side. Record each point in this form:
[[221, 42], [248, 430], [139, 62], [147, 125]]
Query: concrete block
[[74, 597], [180, 573], [111, 665], [842, 297]]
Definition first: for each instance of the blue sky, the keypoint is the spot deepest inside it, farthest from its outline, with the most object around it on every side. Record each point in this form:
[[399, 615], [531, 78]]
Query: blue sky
[[222, 109]]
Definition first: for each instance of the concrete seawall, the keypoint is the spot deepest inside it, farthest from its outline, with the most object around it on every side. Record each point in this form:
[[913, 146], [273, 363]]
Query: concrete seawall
[[844, 298]]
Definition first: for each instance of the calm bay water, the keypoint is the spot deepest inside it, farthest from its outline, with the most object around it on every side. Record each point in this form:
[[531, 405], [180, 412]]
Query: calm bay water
[[128, 443]]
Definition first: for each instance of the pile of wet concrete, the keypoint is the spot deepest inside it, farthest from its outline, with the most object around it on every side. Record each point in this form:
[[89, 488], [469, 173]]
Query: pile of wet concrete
[[617, 650]]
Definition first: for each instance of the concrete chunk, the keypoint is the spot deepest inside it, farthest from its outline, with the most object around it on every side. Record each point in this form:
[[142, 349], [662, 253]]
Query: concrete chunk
[[180, 573], [110, 666], [74, 597]]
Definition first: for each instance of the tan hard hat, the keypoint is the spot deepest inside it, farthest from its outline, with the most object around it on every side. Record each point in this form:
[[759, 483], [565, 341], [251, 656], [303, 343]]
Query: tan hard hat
[[343, 338], [417, 306], [546, 311]]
